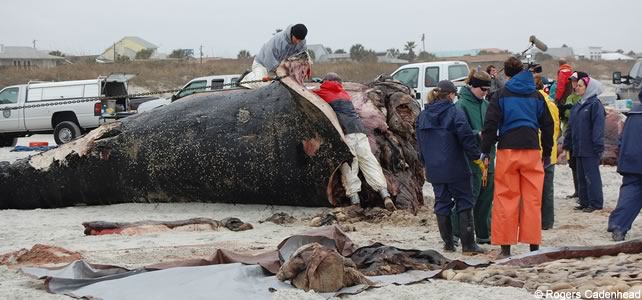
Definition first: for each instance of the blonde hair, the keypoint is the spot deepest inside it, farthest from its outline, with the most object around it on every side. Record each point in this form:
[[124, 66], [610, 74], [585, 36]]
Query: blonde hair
[[481, 75], [437, 93]]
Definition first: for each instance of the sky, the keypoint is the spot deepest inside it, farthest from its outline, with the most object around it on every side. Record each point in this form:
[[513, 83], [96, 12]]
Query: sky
[[223, 28]]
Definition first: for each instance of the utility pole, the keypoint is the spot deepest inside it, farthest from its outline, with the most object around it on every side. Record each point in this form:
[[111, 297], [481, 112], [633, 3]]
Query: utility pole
[[114, 52], [201, 54], [34, 44], [423, 38]]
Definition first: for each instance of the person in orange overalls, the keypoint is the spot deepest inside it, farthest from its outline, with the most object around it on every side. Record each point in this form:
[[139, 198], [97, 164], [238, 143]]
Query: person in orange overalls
[[514, 117]]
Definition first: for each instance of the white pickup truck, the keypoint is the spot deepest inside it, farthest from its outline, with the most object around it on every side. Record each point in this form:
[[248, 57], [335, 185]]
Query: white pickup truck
[[196, 85], [59, 113], [423, 77]]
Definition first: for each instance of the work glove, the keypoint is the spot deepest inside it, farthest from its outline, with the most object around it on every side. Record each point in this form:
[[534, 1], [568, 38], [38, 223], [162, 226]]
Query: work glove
[[483, 167], [546, 161]]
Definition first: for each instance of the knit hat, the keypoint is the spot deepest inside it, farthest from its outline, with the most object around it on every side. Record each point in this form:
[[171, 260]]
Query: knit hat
[[332, 77], [447, 86], [586, 80], [578, 75], [299, 31]]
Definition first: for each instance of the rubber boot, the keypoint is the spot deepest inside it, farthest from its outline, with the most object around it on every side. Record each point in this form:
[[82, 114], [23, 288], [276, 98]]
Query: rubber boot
[[467, 233], [446, 232], [354, 199], [618, 236], [387, 201], [534, 247], [505, 251]]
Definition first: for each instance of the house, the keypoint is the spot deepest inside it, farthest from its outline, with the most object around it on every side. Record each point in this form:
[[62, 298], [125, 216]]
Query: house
[[338, 57], [456, 53], [27, 58], [481, 61], [127, 46], [557, 53], [592, 53], [388, 58], [320, 52], [616, 56]]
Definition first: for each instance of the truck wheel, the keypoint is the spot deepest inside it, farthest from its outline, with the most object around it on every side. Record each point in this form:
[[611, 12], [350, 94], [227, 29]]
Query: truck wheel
[[65, 132], [7, 141]]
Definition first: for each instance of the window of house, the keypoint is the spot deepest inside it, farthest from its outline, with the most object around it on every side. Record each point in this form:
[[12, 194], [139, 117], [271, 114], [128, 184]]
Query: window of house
[[9, 96], [432, 77], [408, 76]]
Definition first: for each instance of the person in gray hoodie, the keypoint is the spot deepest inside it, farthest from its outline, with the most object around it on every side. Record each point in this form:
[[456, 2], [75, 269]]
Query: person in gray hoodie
[[282, 45]]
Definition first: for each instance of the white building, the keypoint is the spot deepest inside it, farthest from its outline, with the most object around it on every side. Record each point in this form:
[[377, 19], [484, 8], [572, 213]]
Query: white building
[[27, 58]]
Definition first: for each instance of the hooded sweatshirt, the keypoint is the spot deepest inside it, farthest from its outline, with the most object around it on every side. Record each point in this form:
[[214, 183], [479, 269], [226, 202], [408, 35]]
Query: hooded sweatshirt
[[475, 110], [585, 132], [630, 159], [518, 112], [278, 48], [446, 142], [333, 93]]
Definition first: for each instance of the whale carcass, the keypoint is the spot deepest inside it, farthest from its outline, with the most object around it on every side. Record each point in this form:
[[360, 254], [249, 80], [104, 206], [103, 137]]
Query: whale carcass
[[277, 145]]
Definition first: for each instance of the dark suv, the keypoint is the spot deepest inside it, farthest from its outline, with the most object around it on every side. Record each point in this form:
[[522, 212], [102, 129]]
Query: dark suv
[[628, 86]]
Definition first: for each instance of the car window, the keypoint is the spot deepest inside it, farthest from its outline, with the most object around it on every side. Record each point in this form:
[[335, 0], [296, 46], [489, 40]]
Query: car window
[[407, 76], [217, 84], [432, 77], [638, 72], [9, 96], [457, 72], [194, 87]]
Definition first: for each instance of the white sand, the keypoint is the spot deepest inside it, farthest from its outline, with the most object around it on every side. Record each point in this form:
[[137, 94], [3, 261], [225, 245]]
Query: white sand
[[62, 227]]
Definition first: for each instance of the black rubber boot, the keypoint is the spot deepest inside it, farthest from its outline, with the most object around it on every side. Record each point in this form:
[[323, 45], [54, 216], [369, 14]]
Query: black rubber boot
[[467, 233], [505, 251], [446, 232], [618, 236], [534, 247]]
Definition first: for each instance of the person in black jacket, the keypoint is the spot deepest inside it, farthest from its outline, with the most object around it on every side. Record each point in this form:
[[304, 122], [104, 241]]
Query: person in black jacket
[[446, 143], [629, 164], [518, 112]]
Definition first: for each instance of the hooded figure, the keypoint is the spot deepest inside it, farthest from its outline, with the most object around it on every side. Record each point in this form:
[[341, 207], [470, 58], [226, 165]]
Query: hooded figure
[[518, 113], [585, 137], [629, 165], [446, 144], [281, 46]]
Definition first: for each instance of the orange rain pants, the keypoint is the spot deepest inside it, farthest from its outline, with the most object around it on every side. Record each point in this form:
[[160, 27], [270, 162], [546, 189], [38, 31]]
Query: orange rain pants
[[517, 203]]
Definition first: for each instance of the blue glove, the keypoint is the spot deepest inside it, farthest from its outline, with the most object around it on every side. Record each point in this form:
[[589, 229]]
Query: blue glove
[[546, 161]]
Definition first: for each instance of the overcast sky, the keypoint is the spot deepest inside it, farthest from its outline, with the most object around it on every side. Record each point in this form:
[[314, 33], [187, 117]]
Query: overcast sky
[[87, 27]]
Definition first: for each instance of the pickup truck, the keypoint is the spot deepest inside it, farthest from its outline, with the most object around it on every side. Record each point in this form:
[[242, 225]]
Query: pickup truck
[[423, 77], [628, 86], [65, 120], [196, 85]]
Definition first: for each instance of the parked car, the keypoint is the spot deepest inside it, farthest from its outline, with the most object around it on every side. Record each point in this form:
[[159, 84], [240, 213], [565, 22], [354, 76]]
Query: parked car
[[65, 120], [196, 85], [628, 86], [423, 77]]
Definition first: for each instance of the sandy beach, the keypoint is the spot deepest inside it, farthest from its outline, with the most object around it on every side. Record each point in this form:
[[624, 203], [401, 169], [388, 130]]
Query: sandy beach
[[62, 228]]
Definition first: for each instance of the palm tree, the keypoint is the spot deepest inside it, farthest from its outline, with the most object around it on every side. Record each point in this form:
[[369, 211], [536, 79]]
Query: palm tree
[[243, 54], [410, 47]]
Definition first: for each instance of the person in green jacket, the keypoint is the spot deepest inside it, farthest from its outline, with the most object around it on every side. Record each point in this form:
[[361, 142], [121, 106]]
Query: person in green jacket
[[473, 103]]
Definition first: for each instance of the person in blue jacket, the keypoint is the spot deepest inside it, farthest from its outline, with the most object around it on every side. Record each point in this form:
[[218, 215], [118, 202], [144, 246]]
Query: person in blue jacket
[[629, 165], [585, 138], [446, 143]]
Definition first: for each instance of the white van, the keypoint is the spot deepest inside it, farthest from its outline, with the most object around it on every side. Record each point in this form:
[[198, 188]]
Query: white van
[[57, 111], [423, 77], [196, 85]]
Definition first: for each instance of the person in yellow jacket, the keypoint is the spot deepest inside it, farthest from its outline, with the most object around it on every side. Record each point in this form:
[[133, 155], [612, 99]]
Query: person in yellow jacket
[[548, 206]]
